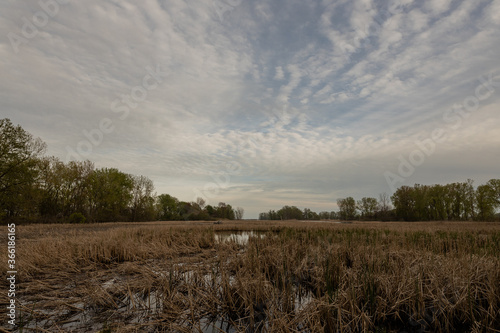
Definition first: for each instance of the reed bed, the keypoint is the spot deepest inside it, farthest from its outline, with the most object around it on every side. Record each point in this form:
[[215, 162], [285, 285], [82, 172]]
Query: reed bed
[[286, 277]]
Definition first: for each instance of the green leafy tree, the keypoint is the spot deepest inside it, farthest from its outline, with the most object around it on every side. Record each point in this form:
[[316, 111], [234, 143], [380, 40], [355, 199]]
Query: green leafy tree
[[20, 153], [110, 195], [168, 207], [270, 215], [367, 207], [50, 184], [485, 202], [307, 214], [77, 179], [324, 215], [77, 218], [198, 212], [437, 204], [210, 210], [347, 208], [188, 211], [469, 204], [64, 188], [494, 184], [273, 215], [224, 211], [420, 194], [404, 203], [288, 213], [143, 200]]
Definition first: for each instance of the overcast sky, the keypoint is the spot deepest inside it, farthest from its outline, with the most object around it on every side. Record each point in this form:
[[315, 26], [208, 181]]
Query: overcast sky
[[260, 103]]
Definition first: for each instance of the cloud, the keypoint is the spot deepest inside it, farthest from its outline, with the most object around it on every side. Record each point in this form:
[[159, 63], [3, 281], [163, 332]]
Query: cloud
[[279, 74], [437, 7], [314, 100], [295, 77], [493, 11]]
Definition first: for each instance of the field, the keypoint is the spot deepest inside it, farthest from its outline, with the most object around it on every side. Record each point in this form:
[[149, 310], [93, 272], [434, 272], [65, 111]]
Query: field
[[257, 276]]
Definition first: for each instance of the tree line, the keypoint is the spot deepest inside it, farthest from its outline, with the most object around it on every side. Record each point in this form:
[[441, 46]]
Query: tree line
[[349, 209], [39, 188], [452, 202], [456, 201], [295, 213]]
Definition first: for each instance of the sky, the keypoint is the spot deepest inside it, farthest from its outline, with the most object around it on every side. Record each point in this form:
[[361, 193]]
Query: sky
[[257, 103]]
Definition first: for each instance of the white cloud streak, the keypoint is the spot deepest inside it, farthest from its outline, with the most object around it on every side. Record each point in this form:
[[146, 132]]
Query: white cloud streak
[[329, 93]]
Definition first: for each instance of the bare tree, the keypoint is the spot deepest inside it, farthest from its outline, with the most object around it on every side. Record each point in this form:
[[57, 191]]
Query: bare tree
[[384, 203], [201, 202], [384, 206], [238, 213]]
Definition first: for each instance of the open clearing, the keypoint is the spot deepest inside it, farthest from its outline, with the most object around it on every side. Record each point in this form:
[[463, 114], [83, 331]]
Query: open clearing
[[258, 276]]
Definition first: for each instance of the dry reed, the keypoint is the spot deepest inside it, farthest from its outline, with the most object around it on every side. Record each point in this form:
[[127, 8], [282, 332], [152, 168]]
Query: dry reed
[[297, 277]]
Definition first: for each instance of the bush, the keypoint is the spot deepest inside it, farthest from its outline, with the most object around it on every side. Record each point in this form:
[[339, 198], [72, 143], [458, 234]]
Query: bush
[[77, 218]]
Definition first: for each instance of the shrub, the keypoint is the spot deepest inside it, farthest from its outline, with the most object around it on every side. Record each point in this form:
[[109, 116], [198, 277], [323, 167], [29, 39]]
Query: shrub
[[77, 218]]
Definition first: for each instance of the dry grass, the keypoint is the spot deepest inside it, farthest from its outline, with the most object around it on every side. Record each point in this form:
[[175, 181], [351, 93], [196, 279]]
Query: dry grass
[[299, 277]]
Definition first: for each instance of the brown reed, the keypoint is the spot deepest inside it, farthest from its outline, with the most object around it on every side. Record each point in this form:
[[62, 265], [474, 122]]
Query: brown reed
[[295, 277]]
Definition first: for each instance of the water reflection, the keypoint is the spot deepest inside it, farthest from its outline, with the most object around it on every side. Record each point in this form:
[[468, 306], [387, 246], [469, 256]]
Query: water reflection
[[239, 237]]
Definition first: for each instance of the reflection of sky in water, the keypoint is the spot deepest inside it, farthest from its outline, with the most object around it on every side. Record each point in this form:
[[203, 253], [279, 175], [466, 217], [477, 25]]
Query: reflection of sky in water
[[238, 237]]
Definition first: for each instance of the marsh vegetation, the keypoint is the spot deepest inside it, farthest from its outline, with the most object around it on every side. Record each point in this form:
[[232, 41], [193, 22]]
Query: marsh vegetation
[[285, 277]]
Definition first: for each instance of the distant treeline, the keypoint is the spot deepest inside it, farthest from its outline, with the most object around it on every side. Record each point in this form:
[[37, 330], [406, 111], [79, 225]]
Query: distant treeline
[[454, 202], [37, 188]]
